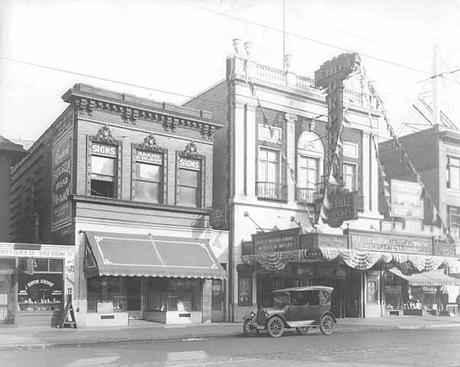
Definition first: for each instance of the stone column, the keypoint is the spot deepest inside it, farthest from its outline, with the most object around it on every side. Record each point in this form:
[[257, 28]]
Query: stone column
[[238, 153], [250, 152], [290, 155], [366, 166]]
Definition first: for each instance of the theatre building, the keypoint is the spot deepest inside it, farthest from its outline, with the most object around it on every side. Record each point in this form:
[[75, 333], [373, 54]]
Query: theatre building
[[271, 163], [126, 184]]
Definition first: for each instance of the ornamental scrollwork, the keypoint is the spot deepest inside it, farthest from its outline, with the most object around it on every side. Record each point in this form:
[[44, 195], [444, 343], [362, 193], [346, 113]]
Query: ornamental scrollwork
[[104, 135], [190, 151], [150, 144]]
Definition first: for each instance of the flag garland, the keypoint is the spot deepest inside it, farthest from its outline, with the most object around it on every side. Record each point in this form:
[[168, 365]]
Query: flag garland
[[404, 156]]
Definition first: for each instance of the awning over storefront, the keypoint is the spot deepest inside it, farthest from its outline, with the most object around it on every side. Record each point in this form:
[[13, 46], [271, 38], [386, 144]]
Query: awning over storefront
[[115, 254], [428, 279]]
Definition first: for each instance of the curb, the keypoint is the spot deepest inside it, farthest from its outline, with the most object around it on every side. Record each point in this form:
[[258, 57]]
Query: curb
[[341, 328]]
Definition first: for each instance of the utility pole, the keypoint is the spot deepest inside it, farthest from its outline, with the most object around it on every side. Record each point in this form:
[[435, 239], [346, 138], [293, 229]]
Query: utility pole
[[284, 35], [435, 86]]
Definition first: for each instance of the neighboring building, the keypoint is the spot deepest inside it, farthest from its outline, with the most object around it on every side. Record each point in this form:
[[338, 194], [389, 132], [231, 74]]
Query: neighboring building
[[125, 185], [269, 165], [10, 153], [435, 153]]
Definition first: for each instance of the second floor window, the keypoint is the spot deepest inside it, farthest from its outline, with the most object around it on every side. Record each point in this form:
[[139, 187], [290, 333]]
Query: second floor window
[[148, 180], [189, 182], [453, 174], [103, 170], [349, 176], [269, 167], [454, 221], [308, 172]]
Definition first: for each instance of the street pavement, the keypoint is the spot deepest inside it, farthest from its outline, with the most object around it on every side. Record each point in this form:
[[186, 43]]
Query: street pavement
[[389, 347], [13, 338]]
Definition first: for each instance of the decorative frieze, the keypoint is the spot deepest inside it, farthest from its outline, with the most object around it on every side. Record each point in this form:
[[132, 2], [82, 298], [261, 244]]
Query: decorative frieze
[[130, 115]]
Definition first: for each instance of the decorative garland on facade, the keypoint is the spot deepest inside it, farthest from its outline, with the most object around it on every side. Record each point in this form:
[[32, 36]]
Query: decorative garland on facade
[[356, 259]]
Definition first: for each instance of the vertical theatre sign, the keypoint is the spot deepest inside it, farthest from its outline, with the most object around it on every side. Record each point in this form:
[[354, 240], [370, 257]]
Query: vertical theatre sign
[[61, 208], [330, 76]]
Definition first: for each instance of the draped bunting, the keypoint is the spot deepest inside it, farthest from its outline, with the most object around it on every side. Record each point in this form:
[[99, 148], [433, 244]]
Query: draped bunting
[[405, 157], [356, 259]]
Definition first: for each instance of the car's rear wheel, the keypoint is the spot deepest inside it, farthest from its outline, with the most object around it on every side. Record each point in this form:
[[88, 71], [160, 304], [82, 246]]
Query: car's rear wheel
[[302, 330], [249, 329], [275, 327], [326, 324]]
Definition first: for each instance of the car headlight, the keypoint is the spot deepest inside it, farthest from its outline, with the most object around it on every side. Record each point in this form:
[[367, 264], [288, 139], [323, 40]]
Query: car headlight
[[253, 314]]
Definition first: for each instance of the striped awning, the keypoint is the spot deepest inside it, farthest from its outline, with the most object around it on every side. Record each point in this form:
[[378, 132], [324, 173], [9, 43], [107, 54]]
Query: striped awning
[[116, 254], [432, 278]]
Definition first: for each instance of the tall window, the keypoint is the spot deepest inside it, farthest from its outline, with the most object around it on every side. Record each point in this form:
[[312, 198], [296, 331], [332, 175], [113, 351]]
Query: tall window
[[189, 182], [269, 165], [103, 170], [454, 220], [310, 155], [349, 176], [148, 182], [268, 179], [453, 168]]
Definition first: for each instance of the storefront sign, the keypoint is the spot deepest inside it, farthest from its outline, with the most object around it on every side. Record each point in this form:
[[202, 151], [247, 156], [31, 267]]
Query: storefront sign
[[189, 163], [61, 210], [104, 150], [443, 248], [149, 157], [286, 240], [45, 251], [339, 68], [393, 289], [406, 199], [343, 206], [315, 240], [391, 243]]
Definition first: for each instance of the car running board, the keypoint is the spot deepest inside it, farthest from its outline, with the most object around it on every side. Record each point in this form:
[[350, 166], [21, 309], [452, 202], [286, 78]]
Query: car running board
[[302, 323]]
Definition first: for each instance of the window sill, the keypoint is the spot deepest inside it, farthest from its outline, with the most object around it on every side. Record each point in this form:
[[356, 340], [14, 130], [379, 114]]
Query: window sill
[[272, 199]]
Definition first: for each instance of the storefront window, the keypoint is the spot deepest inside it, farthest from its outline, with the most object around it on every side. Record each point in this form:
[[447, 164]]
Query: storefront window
[[107, 294], [182, 295], [40, 284]]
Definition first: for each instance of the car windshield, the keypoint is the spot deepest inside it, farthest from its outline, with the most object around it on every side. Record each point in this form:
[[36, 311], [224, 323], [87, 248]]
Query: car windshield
[[280, 299]]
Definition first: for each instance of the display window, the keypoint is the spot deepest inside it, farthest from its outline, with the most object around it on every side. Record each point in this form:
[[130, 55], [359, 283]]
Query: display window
[[40, 284], [182, 295], [244, 290], [107, 294]]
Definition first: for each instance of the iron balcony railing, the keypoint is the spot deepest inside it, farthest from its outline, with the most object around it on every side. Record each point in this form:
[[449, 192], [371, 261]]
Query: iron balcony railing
[[271, 191], [305, 195]]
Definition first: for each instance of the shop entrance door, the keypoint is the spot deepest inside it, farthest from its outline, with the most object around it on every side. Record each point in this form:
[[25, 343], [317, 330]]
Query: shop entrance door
[[134, 297], [218, 292], [7, 291]]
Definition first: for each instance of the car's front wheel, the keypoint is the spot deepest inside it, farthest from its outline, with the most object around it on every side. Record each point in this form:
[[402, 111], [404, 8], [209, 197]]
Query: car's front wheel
[[326, 324], [249, 329], [275, 326]]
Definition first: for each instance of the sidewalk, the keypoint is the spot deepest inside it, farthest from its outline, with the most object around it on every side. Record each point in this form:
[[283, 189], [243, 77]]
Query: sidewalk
[[13, 338]]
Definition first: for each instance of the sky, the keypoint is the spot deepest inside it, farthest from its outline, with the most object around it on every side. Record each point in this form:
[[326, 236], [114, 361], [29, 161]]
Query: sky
[[175, 49]]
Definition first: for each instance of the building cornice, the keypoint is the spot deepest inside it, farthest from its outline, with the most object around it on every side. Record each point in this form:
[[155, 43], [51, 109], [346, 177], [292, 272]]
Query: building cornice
[[86, 99]]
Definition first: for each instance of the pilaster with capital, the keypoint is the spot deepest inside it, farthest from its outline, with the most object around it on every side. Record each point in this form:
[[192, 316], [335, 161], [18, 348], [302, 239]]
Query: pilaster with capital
[[290, 155]]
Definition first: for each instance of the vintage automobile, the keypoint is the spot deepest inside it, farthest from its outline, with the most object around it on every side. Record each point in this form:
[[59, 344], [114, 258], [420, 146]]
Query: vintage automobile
[[300, 308]]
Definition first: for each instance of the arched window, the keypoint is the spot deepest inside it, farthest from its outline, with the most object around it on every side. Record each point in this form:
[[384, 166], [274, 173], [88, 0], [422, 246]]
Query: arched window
[[310, 158]]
